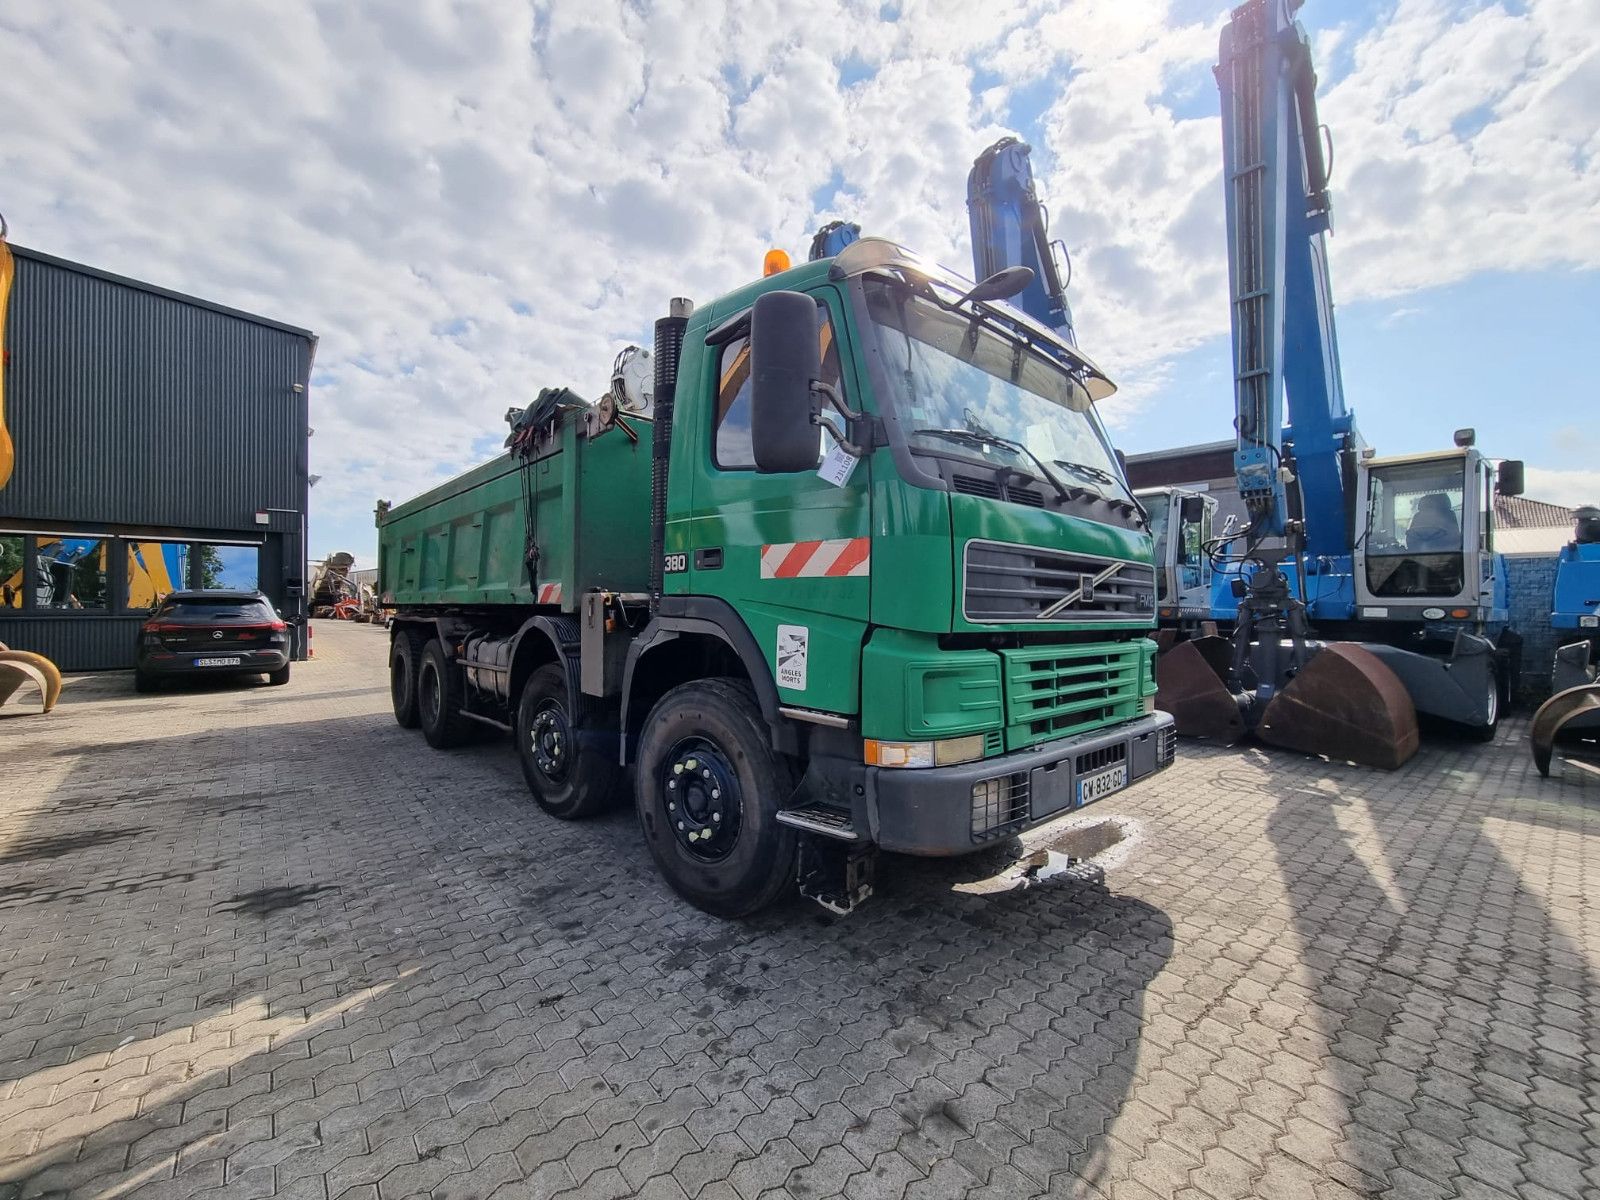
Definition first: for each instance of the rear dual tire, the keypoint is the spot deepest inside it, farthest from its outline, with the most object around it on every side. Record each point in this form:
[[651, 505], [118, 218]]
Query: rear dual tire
[[441, 697], [403, 679]]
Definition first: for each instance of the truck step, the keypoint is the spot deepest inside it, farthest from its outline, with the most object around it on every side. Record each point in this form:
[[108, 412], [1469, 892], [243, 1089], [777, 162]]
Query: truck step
[[820, 819]]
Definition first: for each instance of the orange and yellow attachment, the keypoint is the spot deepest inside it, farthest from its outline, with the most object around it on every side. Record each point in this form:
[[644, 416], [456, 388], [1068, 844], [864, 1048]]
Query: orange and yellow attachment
[[775, 262]]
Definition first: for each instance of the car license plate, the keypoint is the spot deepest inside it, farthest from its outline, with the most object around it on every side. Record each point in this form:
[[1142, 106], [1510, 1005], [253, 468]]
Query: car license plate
[[1102, 783], [218, 662]]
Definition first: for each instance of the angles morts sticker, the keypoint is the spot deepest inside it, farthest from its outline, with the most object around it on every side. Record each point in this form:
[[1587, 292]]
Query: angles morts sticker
[[792, 647]]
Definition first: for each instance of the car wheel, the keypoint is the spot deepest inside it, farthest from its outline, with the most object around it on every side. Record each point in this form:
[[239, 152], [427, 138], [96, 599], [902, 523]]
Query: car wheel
[[570, 772], [279, 677], [440, 697], [403, 679], [708, 791]]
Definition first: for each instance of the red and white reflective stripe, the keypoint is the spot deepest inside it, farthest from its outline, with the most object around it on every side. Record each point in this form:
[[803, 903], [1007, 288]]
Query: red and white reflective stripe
[[550, 593], [836, 558]]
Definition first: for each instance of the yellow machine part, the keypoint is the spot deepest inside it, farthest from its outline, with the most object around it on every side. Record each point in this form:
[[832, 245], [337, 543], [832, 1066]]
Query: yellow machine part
[[8, 270]]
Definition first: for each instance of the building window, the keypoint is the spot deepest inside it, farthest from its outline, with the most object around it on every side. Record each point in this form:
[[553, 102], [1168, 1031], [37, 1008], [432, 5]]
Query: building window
[[154, 569], [12, 570], [237, 567], [70, 573]]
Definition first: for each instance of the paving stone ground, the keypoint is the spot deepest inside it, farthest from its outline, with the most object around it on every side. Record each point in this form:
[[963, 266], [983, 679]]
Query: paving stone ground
[[260, 941]]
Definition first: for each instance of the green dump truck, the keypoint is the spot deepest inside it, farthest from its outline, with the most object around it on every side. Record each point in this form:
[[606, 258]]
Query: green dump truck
[[857, 569]]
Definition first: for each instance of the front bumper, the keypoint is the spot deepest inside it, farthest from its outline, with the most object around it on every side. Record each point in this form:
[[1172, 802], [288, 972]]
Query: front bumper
[[932, 812], [251, 662]]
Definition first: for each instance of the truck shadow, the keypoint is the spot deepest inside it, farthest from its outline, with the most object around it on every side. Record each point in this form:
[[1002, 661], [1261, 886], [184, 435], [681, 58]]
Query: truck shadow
[[1456, 1011]]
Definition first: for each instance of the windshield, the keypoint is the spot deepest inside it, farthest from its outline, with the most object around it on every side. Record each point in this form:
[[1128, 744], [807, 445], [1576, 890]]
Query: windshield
[[1414, 541], [963, 390]]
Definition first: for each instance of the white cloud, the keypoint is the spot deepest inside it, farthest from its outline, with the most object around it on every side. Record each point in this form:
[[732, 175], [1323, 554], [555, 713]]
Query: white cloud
[[468, 202], [1573, 489]]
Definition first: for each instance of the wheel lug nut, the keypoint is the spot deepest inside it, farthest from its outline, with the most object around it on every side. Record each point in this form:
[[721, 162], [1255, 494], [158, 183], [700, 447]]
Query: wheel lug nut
[[716, 816], [716, 794], [680, 825]]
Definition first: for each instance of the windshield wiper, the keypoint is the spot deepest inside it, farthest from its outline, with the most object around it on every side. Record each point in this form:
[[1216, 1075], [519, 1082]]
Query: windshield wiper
[[982, 437]]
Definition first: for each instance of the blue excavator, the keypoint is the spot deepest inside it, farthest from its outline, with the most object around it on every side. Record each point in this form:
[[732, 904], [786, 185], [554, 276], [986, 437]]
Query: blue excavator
[[1372, 593], [1572, 713], [1365, 590]]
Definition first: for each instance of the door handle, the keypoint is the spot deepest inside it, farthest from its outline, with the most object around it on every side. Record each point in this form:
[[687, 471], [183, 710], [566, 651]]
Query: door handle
[[709, 559]]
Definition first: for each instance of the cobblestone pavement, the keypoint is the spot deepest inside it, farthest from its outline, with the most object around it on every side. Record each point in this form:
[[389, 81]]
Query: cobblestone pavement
[[260, 941]]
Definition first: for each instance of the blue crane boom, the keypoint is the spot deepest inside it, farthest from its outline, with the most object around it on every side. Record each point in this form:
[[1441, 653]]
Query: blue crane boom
[[1010, 228], [1278, 216]]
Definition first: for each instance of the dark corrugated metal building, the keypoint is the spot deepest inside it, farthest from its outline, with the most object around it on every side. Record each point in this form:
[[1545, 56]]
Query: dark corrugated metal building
[[160, 443]]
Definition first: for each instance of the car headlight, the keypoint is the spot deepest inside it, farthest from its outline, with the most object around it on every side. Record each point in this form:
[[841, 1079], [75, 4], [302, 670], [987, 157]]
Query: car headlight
[[945, 752]]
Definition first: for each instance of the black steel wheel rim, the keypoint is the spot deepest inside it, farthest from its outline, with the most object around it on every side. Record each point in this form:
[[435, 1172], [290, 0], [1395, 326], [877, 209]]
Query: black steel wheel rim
[[701, 799], [550, 742]]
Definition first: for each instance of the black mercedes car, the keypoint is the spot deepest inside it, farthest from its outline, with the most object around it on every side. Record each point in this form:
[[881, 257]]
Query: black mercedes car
[[212, 633]]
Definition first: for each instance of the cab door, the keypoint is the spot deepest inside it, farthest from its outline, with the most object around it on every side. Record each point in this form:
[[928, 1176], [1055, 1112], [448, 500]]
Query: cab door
[[792, 553]]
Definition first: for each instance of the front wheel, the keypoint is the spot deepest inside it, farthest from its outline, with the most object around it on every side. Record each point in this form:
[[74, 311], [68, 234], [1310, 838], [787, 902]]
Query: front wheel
[[568, 769], [708, 792]]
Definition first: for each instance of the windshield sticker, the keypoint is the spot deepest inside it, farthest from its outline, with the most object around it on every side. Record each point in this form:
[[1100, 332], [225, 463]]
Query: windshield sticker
[[792, 647], [837, 467]]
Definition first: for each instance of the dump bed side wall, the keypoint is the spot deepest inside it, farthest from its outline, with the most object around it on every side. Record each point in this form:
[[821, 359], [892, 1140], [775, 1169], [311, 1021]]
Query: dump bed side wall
[[463, 543]]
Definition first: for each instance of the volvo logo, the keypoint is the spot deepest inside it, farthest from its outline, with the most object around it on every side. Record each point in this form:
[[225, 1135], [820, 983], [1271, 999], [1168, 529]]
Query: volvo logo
[[1083, 593]]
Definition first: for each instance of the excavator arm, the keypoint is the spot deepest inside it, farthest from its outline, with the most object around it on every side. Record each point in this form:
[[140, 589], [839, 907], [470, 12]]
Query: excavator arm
[[1284, 345], [1010, 228]]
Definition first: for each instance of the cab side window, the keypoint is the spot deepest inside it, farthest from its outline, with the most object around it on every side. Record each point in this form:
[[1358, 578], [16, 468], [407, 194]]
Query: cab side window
[[731, 414]]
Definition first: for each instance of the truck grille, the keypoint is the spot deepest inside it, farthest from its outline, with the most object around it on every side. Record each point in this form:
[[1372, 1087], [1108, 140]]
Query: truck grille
[[1052, 691], [1026, 583]]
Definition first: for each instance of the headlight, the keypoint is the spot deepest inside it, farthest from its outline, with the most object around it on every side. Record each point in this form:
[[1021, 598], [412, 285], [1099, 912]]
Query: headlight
[[945, 752]]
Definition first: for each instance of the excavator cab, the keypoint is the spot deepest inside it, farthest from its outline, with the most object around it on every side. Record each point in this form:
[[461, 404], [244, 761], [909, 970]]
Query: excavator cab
[[1425, 545]]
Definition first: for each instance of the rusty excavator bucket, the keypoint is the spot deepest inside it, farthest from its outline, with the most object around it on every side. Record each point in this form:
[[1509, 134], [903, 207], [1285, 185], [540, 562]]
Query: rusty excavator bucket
[[1572, 714], [1345, 704], [20, 667], [1191, 684]]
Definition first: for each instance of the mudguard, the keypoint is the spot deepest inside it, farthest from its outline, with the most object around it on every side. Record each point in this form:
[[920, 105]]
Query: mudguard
[[1454, 688]]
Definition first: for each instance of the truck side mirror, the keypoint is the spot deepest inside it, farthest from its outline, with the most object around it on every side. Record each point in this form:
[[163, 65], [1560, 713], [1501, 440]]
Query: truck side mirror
[[1508, 480], [1193, 509], [785, 357]]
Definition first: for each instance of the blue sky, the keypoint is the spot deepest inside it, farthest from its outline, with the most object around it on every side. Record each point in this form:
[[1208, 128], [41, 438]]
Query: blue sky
[[470, 202]]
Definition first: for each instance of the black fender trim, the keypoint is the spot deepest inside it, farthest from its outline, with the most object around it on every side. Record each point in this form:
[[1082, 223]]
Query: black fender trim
[[562, 635], [706, 616]]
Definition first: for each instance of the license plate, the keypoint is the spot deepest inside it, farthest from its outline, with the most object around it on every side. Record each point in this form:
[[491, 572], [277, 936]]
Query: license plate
[[218, 662], [1102, 783]]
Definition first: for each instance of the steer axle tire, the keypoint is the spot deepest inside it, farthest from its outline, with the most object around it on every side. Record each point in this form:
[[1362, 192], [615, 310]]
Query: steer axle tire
[[708, 789], [571, 768]]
